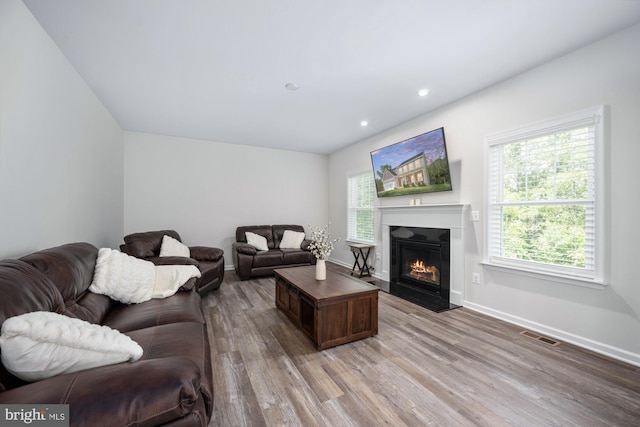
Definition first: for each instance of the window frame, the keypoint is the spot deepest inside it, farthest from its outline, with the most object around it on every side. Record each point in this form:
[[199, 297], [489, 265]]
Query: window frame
[[351, 176], [553, 272]]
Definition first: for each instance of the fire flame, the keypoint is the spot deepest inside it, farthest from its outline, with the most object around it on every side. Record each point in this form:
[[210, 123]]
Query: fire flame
[[418, 268]]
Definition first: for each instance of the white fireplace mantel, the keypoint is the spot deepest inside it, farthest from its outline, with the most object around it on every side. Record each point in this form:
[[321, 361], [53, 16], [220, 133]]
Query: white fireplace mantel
[[450, 216]]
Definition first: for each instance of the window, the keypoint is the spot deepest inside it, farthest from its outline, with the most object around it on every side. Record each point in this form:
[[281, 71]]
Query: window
[[544, 197], [360, 221]]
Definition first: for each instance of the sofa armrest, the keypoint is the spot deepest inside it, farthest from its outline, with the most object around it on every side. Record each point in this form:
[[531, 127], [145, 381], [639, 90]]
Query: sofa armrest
[[189, 285], [172, 260], [206, 253], [305, 244], [152, 392], [244, 248]]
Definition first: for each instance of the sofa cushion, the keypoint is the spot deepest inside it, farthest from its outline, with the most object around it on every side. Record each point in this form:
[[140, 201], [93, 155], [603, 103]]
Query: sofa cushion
[[257, 241], [25, 289], [267, 258], [296, 256], [90, 307], [173, 247], [181, 307], [70, 267], [291, 239], [43, 344], [147, 244], [263, 230]]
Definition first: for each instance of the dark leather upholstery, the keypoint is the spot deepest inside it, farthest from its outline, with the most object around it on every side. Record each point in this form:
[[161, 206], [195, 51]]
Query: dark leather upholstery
[[209, 260], [249, 262], [172, 384], [181, 307]]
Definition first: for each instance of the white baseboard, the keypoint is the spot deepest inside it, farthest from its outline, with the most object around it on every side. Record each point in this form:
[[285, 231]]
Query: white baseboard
[[597, 347], [341, 263], [455, 297]]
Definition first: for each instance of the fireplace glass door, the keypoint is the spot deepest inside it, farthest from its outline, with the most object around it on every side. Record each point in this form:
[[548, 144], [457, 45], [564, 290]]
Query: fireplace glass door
[[420, 264]]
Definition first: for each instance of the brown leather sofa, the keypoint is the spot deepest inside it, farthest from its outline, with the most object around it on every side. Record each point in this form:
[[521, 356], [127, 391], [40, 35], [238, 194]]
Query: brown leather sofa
[[172, 384], [250, 262], [209, 260]]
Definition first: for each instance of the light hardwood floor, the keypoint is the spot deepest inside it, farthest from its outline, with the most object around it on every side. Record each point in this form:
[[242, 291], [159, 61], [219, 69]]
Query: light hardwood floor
[[457, 368]]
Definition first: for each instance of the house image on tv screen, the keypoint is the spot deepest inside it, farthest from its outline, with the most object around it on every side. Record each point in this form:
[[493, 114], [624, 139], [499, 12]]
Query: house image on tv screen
[[415, 165], [411, 172]]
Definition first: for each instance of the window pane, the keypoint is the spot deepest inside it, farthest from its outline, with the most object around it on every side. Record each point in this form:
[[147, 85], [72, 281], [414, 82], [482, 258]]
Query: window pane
[[360, 216], [550, 167], [546, 234], [364, 221], [574, 166]]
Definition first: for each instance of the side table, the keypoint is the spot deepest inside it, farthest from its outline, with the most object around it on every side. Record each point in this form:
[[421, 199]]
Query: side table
[[361, 254]]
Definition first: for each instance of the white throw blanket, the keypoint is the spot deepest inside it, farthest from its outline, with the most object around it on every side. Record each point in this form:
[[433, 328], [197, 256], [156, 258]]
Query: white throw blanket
[[132, 280]]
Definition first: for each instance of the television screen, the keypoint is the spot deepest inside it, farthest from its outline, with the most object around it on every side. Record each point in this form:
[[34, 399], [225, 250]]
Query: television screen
[[416, 165]]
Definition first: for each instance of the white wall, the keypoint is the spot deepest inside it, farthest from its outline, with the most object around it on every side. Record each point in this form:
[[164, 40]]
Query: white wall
[[205, 189], [61, 164], [607, 72]]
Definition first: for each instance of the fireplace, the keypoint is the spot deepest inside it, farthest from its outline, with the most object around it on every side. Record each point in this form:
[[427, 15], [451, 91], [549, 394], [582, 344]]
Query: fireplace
[[453, 217], [420, 267]]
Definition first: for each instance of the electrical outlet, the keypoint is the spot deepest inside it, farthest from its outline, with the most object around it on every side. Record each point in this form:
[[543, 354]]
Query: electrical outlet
[[475, 278], [475, 215]]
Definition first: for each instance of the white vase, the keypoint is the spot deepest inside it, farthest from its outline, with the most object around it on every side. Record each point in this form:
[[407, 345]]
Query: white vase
[[321, 270]]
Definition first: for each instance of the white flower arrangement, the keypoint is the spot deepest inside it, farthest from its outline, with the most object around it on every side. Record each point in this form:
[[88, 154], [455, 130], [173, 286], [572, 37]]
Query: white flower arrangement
[[321, 244]]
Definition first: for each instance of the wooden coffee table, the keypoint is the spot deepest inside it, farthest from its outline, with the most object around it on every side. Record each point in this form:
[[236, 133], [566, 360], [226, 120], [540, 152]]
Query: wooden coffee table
[[331, 312]]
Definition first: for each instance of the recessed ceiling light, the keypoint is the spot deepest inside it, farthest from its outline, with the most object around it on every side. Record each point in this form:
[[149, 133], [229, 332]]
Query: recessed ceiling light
[[423, 92], [291, 86], [364, 123]]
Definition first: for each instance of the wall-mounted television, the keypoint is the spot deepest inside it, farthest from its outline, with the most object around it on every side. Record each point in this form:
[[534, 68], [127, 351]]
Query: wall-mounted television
[[416, 165]]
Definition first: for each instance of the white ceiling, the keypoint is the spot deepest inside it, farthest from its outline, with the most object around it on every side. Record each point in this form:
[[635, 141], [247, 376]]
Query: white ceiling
[[217, 69]]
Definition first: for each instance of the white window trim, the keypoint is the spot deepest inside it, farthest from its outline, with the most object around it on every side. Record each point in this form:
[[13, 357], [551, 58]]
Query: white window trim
[[548, 126], [354, 240]]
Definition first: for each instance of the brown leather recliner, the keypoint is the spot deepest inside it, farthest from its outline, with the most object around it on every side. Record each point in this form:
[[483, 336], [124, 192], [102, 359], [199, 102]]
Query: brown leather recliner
[[209, 260]]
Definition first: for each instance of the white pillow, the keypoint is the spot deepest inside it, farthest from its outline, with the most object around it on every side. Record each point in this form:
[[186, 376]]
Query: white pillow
[[173, 247], [291, 239], [42, 344], [257, 241]]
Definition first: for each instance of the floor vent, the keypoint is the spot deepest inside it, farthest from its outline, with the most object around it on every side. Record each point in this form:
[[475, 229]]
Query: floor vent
[[537, 337]]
